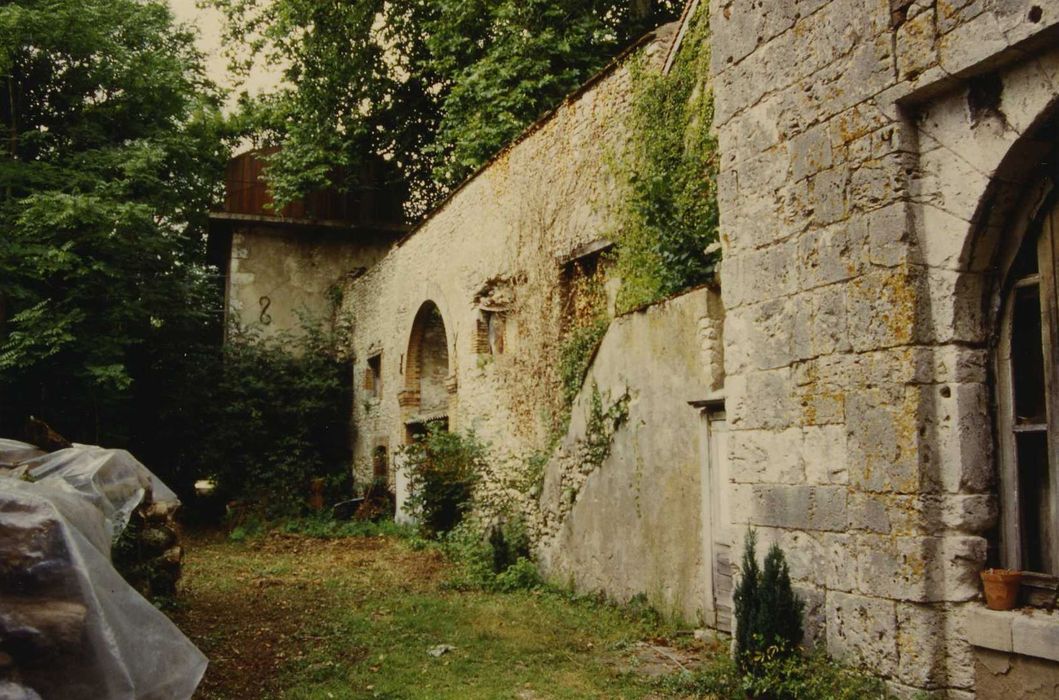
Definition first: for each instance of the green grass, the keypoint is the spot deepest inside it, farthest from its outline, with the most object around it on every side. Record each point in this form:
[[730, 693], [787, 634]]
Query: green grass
[[294, 616]]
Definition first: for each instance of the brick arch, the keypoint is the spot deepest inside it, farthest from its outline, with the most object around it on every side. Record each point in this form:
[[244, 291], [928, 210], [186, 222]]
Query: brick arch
[[428, 364]]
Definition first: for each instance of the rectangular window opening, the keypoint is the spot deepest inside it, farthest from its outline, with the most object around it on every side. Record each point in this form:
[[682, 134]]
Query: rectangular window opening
[[373, 375]]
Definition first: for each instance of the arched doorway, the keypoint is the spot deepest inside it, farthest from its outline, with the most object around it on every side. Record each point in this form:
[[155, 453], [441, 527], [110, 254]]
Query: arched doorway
[[427, 391]]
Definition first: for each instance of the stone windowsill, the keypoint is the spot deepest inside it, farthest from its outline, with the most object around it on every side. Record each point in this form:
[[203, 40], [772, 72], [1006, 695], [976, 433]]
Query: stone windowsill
[[1028, 631]]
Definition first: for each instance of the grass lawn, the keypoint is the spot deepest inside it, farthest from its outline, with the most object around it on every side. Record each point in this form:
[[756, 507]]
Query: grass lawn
[[288, 616]]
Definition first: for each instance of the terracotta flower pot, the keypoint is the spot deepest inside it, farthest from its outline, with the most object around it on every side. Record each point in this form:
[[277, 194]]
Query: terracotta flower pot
[[1001, 588]]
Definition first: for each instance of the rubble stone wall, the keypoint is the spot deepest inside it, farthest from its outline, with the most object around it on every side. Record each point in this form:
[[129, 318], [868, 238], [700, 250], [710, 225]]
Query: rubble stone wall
[[864, 193], [498, 243]]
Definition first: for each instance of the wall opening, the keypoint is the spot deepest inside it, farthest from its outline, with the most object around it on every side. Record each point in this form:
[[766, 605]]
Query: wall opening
[[427, 368], [373, 376]]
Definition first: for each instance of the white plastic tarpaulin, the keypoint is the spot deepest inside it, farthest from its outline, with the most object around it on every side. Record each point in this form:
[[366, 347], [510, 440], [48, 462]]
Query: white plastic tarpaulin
[[71, 624]]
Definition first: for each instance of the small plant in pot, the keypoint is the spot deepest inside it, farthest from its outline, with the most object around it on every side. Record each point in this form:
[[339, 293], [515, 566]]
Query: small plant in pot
[[1001, 588]]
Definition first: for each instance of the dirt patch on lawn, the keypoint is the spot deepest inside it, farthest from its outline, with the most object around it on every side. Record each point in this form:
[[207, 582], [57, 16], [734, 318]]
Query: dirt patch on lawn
[[255, 612]]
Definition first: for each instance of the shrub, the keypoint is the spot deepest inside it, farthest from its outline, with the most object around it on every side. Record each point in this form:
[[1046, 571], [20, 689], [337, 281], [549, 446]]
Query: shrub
[[768, 614], [797, 676], [277, 419], [493, 558], [442, 469]]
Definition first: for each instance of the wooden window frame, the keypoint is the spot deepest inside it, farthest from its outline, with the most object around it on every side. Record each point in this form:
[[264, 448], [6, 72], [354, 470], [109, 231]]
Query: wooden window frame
[[1039, 586]]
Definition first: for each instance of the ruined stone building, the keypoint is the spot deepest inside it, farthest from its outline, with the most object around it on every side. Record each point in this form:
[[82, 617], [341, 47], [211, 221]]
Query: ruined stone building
[[871, 387]]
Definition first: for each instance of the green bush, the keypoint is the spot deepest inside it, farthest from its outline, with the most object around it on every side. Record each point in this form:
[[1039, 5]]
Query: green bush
[[798, 676], [442, 468], [277, 419], [767, 613], [487, 559]]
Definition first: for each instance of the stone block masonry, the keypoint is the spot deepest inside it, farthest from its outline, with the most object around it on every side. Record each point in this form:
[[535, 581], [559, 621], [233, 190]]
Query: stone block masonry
[[858, 176]]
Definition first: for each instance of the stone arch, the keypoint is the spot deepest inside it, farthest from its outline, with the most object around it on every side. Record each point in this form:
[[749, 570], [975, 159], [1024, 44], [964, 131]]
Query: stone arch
[[428, 370], [985, 169]]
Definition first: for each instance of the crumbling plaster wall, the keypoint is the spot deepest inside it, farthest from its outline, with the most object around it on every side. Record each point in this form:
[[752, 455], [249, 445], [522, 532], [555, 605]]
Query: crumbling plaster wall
[[853, 187], [507, 228], [277, 273], [638, 522]]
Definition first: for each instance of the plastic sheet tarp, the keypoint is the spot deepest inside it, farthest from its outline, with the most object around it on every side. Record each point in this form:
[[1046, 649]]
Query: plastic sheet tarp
[[72, 625]]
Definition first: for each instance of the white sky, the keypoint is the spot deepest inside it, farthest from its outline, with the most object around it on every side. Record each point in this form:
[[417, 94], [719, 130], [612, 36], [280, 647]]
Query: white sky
[[209, 22]]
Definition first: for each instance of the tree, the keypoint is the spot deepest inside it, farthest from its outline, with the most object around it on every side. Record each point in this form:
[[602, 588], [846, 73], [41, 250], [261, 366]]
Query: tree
[[767, 612], [433, 87], [112, 159]]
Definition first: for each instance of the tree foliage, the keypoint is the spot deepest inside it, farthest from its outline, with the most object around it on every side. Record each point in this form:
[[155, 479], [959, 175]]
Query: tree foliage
[[278, 417], [433, 87], [112, 152], [768, 614]]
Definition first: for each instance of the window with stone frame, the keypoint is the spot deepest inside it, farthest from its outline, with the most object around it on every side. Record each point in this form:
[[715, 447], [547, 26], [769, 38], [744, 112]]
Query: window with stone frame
[[1028, 407]]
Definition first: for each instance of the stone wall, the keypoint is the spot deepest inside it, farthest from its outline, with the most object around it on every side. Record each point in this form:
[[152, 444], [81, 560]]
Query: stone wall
[[637, 521], [279, 272], [496, 248], [865, 189]]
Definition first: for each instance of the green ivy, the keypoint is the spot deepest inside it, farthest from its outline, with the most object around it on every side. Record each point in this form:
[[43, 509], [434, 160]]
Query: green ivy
[[602, 423], [575, 357], [667, 231]]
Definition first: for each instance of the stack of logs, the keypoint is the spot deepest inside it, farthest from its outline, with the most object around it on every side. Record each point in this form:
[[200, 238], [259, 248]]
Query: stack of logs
[[148, 554], [43, 611], [44, 607]]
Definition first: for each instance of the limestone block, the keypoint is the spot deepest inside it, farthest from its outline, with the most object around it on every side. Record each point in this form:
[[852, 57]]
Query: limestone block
[[952, 14], [888, 235], [861, 631], [781, 506], [971, 42], [821, 391], [805, 555], [882, 441], [920, 569], [832, 254], [800, 507], [769, 334], [802, 330], [761, 456], [879, 181], [828, 195], [741, 503], [959, 654], [970, 514], [824, 454], [957, 438], [814, 615], [810, 152], [770, 400], [827, 329], [916, 46], [868, 511], [883, 308], [921, 648], [840, 562], [1036, 635], [761, 275], [1027, 89]]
